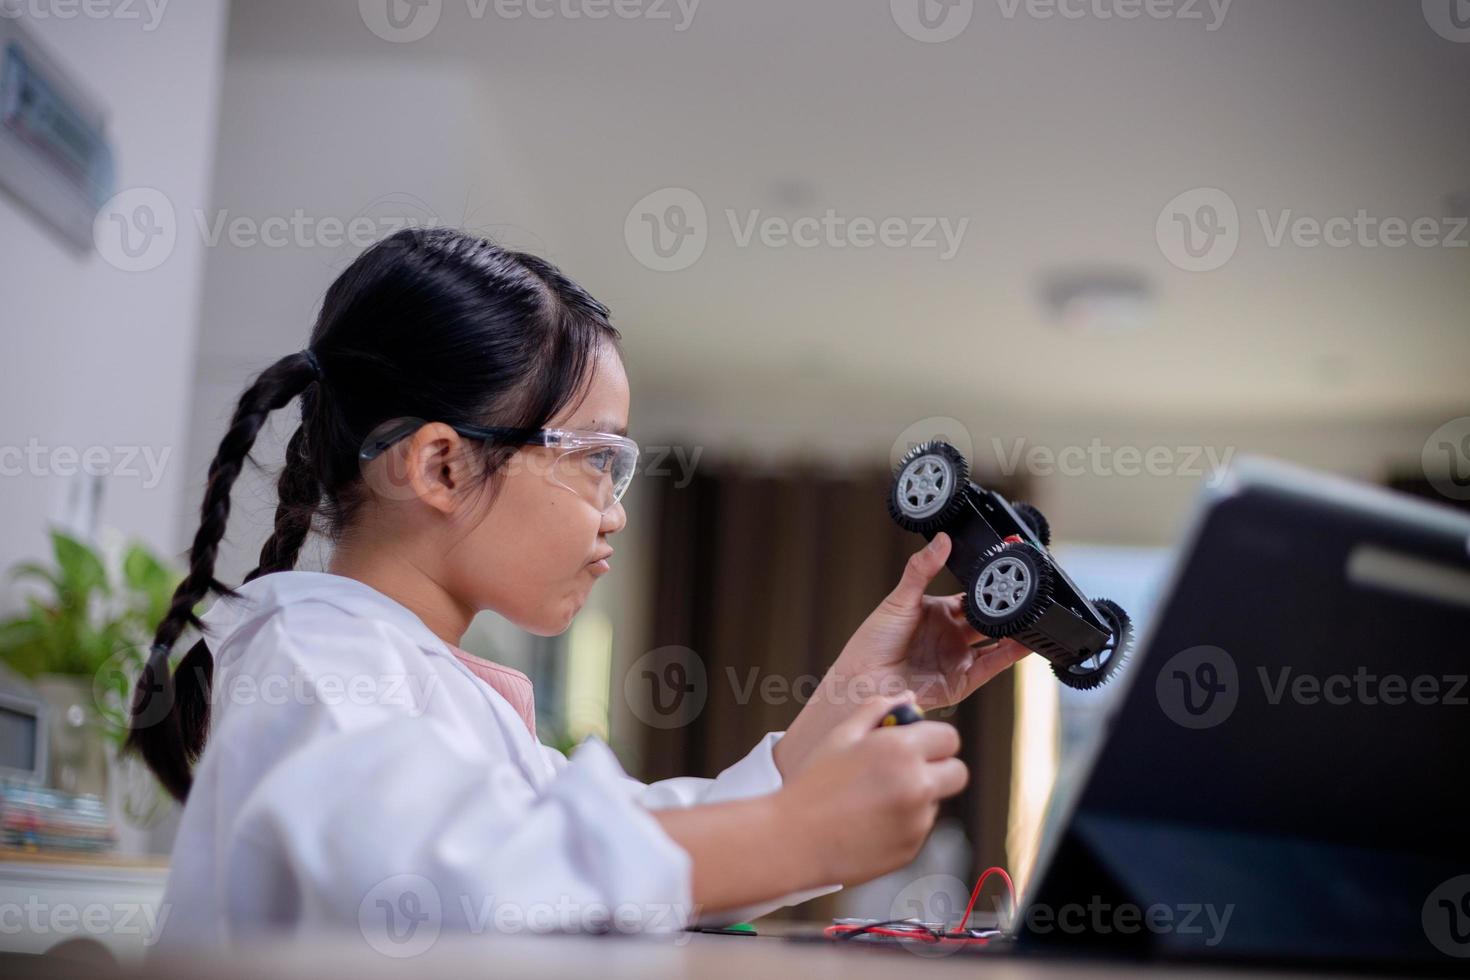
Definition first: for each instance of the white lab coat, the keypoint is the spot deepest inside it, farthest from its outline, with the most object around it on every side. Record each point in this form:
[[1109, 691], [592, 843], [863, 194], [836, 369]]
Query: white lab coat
[[358, 776]]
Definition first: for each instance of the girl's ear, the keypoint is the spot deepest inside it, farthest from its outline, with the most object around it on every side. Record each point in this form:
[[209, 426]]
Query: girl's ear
[[438, 466]]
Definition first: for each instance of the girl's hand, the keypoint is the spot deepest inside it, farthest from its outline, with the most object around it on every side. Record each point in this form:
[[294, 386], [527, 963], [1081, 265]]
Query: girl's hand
[[924, 643], [910, 642], [866, 799]]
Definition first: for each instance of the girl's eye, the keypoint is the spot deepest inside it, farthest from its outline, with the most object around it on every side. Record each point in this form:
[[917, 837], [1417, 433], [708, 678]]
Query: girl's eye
[[602, 460]]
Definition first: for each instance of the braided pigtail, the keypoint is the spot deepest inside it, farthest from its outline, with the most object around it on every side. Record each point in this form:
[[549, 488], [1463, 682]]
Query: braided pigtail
[[170, 711], [299, 492]]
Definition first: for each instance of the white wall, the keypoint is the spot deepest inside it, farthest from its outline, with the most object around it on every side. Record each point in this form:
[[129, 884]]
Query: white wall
[[94, 356]]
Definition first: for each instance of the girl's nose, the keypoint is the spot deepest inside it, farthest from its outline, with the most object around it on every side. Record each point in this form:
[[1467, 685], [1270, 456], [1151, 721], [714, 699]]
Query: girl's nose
[[614, 519]]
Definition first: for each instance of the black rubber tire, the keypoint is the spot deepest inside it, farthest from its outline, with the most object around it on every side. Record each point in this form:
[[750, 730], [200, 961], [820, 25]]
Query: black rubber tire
[[1113, 656], [1032, 604], [1037, 522], [940, 510]]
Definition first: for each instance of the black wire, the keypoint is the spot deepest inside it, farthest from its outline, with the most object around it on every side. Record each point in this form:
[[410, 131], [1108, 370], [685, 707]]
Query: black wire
[[906, 923]]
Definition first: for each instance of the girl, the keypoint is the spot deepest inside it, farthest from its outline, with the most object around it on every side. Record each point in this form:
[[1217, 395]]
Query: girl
[[463, 410]]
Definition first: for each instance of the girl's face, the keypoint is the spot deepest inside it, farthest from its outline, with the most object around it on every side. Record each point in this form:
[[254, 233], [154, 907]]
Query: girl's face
[[541, 546]]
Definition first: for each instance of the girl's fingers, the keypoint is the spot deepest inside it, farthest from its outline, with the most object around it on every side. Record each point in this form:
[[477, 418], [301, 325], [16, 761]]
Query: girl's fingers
[[867, 716], [993, 660], [948, 777], [936, 739], [922, 566], [954, 610]]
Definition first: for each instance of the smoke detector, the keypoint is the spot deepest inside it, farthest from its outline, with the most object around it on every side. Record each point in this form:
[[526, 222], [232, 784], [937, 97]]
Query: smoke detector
[[1098, 301]]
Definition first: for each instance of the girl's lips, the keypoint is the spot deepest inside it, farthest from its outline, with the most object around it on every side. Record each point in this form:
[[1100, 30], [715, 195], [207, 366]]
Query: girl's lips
[[599, 567]]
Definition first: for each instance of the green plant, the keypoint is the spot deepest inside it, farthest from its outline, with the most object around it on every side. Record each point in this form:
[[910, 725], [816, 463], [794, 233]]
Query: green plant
[[87, 622]]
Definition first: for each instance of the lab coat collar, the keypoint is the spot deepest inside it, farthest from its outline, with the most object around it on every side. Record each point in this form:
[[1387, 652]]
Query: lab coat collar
[[270, 592]]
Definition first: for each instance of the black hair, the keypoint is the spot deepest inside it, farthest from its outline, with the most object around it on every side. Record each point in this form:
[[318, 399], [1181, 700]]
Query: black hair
[[431, 324]]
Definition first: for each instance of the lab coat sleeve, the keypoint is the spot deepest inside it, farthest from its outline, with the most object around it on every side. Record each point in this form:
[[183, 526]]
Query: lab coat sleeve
[[754, 775], [371, 811]]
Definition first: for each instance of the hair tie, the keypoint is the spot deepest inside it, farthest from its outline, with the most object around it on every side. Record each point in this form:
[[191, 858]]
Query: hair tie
[[316, 366]]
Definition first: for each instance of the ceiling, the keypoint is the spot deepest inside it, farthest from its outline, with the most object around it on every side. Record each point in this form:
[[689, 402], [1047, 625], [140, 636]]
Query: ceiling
[[1058, 140]]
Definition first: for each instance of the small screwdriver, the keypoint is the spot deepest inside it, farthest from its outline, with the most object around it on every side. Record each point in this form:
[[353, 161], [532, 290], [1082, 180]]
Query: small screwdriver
[[904, 714]]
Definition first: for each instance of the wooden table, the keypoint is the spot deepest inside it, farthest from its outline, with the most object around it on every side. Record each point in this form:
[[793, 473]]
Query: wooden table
[[613, 957]]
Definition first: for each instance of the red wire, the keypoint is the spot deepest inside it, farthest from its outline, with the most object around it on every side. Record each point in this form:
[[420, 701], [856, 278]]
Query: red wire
[[974, 895], [917, 932]]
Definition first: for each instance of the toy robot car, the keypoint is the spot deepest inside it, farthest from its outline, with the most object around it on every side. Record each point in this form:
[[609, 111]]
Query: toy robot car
[[1013, 588]]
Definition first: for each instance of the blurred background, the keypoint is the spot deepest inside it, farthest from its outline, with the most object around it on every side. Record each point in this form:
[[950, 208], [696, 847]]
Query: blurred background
[[1103, 246]]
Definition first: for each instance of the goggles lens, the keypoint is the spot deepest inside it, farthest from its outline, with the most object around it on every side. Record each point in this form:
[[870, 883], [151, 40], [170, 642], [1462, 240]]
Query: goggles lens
[[599, 474]]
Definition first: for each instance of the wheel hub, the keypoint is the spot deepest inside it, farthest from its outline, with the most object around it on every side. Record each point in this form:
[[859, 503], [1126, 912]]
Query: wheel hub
[[924, 486], [1002, 587]]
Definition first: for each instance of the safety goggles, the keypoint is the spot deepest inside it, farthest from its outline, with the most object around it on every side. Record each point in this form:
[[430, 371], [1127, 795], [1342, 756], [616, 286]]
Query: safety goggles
[[597, 466]]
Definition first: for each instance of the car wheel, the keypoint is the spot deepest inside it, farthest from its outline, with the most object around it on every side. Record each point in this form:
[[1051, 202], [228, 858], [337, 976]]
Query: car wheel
[[1096, 670], [928, 487], [1036, 521], [1008, 589]]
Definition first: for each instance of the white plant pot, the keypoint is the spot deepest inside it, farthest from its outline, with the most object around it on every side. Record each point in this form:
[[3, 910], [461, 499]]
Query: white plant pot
[[76, 753], [83, 759]]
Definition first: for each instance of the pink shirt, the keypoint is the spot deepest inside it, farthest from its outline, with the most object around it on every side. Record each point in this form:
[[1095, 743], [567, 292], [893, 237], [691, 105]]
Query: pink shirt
[[508, 682]]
